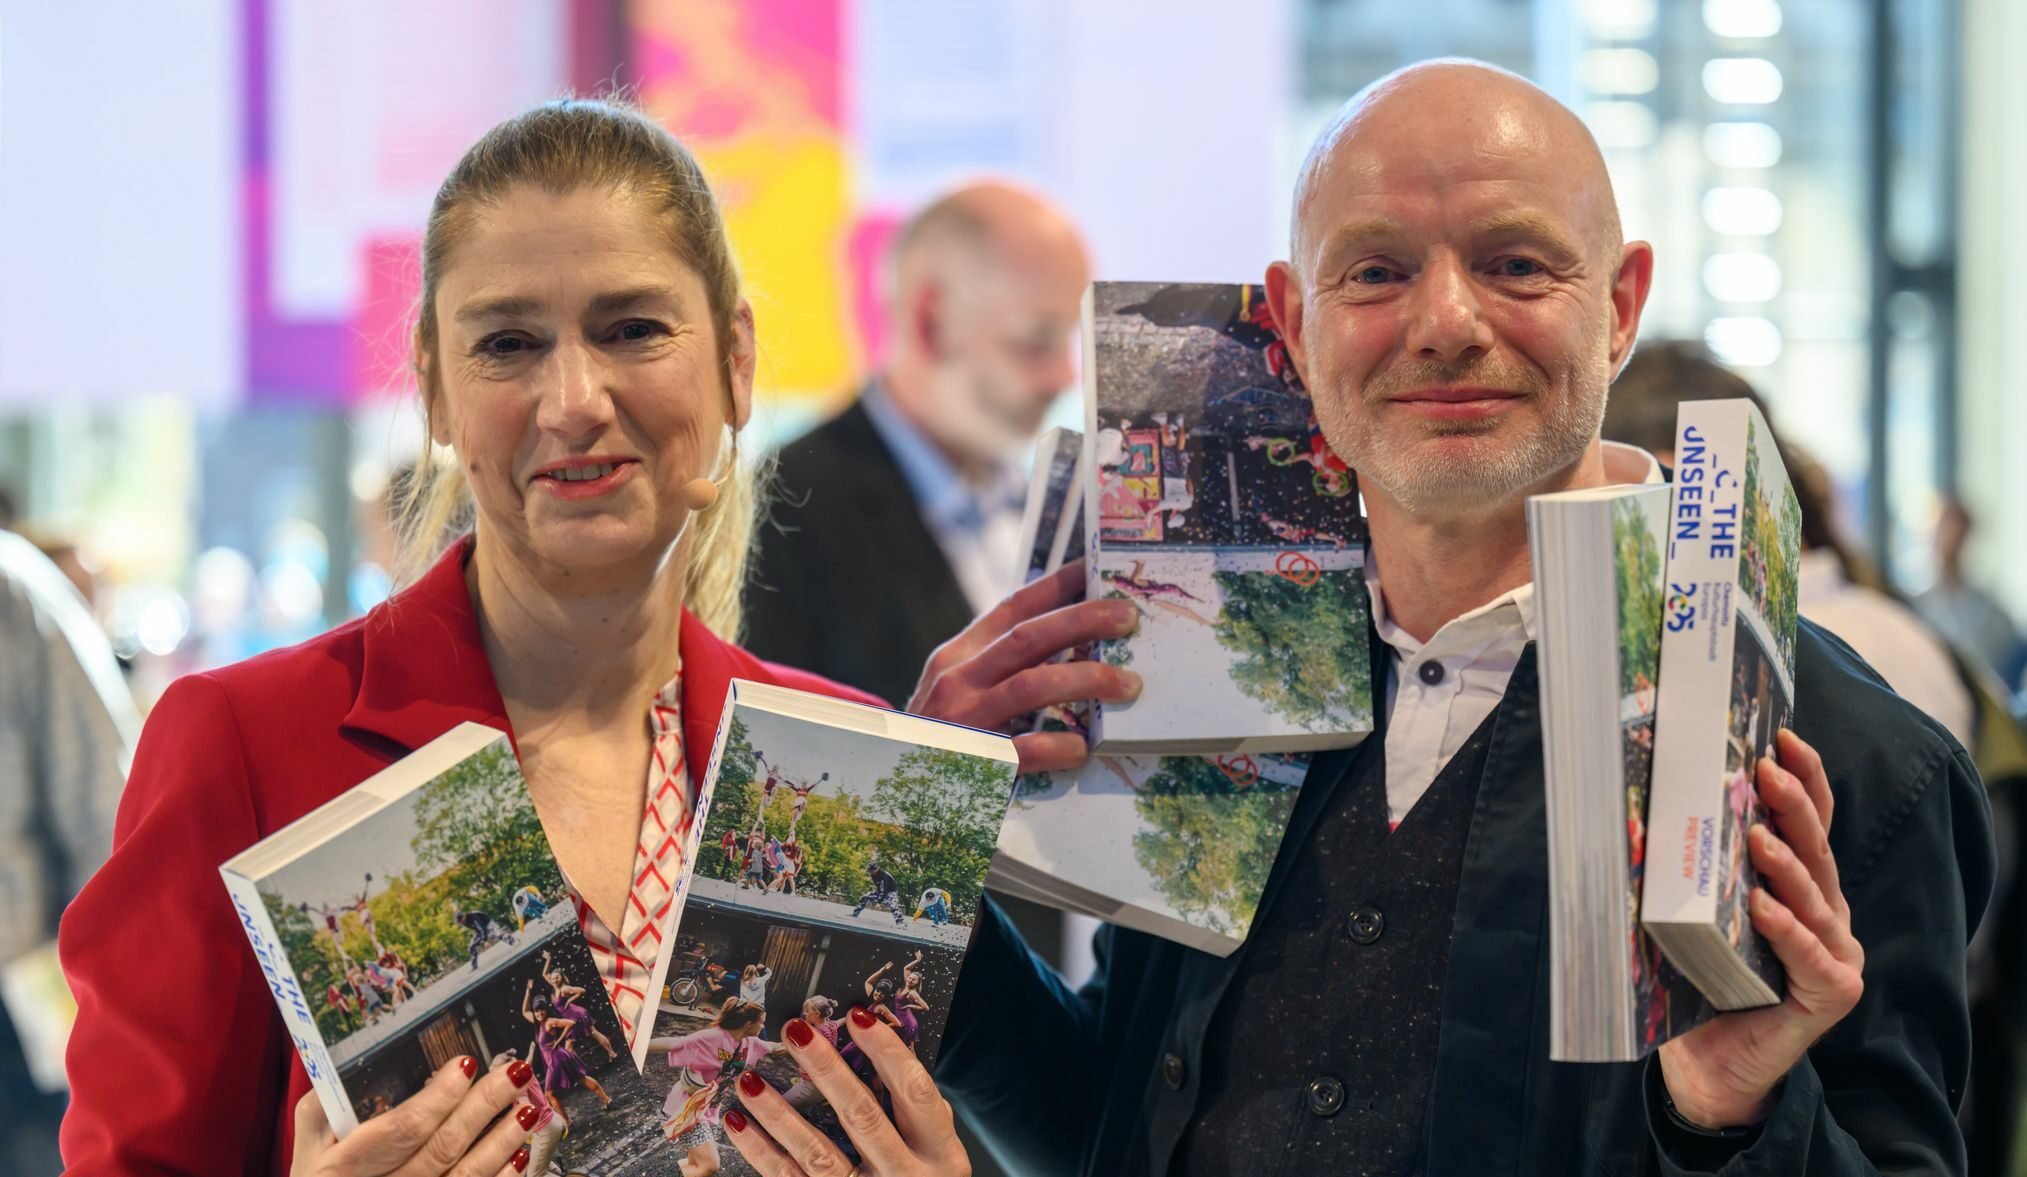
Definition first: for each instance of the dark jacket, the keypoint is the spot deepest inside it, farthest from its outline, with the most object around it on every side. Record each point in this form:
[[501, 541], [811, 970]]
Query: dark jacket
[[1103, 1080], [848, 582]]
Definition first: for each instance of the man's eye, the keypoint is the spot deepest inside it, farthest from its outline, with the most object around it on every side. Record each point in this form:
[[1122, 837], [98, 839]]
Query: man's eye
[[1519, 267], [1373, 275], [636, 330]]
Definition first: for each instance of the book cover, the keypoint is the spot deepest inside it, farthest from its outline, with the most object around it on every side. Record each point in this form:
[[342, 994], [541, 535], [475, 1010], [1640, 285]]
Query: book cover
[[1178, 846], [422, 916], [844, 854], [1212, 502], [1599, 581], [1727, 657], [1052, 523]]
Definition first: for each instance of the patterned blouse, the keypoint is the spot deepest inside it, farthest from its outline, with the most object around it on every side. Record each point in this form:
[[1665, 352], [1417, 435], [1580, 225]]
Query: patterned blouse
[[626, 958]]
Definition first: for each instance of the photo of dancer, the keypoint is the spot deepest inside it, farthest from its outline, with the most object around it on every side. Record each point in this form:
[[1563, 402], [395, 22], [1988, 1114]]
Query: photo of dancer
[[855, 827], [1759, 707], [1203, 435], [814, 975]]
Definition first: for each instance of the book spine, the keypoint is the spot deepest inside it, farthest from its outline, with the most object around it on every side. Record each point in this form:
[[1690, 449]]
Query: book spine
[[288, 994], [1087, 476], [1685, 809]]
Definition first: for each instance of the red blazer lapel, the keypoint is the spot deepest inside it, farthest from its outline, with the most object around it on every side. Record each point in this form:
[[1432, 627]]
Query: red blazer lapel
[[424, 665], [709, 666]]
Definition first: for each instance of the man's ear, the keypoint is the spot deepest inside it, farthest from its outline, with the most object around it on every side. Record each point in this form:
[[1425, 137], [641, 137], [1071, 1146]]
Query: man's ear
[[925, 319], [742, 357], [1630, 287], [1284, 302]]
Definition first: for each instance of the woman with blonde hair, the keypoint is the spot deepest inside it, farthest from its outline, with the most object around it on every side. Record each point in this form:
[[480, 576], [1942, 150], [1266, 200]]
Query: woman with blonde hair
[[585, 362]]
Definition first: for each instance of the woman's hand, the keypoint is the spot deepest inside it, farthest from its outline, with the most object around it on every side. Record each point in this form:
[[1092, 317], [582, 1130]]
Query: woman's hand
[[998, 669], [920, 1141], [451, 1128]]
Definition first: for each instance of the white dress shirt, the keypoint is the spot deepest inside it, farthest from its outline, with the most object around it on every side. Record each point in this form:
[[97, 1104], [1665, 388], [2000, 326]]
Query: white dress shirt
[[976, 524], [1439, 691]]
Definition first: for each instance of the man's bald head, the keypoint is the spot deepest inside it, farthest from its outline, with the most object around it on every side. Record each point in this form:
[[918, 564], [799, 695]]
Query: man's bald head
[[1459, 293], [1450, 100], [983, 290]]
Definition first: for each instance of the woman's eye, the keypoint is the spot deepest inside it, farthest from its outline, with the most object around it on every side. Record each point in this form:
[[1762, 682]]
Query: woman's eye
[[502, 345], [1519, 267]]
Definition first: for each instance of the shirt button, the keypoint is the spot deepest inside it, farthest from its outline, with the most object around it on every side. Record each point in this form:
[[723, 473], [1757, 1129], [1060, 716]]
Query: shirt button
[[1365, 925], [1431, 672], [1326, 1095], [1173, 1072]]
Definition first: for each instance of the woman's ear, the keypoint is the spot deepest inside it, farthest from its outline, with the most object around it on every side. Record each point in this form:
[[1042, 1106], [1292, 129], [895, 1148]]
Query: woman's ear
[[741, 359], [432, 409]]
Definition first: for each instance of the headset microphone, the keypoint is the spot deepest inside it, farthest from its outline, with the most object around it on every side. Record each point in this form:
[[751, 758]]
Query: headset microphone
[[699, 493]]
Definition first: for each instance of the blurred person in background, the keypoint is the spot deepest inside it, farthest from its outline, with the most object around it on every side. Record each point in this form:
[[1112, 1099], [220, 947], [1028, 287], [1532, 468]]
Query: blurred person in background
[[897, 521], [67, 730], [1967, 614], [1835, 588]]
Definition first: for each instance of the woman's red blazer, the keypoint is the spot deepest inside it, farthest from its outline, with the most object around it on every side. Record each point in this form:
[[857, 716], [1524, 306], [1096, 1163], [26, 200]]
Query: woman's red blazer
[[179, 1062]]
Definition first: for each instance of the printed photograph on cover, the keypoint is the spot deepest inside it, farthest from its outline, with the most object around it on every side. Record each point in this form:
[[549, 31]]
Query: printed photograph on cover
[[845, 829], [1188, 837], [1272, 621], [1770, 541], [1665, 1003], [1205, 435], [440, 927], [1759, 707], [739, 976]]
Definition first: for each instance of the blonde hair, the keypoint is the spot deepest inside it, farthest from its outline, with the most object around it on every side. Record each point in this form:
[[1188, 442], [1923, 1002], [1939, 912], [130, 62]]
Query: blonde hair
[[562, 147]]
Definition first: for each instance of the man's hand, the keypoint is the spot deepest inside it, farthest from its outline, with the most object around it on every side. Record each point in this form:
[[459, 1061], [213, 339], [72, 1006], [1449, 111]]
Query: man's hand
[[998, 669], [1725, 1073]]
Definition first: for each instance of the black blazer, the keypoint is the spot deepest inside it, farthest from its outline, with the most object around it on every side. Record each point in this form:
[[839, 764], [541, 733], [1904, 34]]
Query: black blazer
[[848, 582]]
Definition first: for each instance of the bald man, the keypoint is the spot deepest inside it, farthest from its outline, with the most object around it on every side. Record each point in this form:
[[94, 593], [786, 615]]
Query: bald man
[[1458, 298], [898, 520]]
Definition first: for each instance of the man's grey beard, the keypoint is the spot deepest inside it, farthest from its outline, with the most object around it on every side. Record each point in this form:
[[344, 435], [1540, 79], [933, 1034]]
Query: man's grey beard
[[1424, 486]]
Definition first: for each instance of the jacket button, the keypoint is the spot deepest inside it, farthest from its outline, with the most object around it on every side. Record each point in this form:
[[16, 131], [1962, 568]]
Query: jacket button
[[1365, 925], [1173, 1072], [1326, 1095]]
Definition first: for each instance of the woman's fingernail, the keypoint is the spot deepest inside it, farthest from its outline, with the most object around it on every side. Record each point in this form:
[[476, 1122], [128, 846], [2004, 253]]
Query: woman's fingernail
[[862, 1018], [735, 1119], [798, 1032], [470, 1066], [520, 1159], [751, 1084], [526, 1117], [519, 1072]]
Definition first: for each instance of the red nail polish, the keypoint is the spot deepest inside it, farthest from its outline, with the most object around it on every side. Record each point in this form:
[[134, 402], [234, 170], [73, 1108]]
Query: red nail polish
[[520, 1159], [799, 1033], [862, 1017], [519, 1072], [751, 1084], [470, 1066], [735, 1119], [526, 1117]]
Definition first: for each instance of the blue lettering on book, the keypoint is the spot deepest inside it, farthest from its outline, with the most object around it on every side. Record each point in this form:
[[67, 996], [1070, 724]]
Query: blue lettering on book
[[1691, 466], [1706, 853], [280, 982], [1724, 532]]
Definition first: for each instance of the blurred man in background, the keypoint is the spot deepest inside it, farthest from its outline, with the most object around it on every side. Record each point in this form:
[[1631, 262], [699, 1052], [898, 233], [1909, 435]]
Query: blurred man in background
[[898, 520], [1965, 613], [67, 730]]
